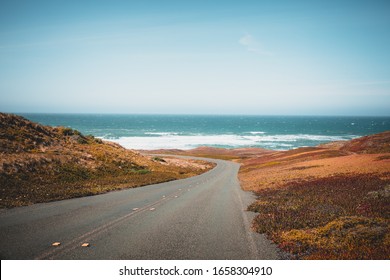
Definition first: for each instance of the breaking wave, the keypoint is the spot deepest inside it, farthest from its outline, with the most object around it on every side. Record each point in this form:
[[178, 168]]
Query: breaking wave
[[165, 140]]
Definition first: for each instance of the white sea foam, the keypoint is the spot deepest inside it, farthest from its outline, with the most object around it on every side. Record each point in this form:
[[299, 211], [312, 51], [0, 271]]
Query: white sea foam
[[185, 142], [161, 133]]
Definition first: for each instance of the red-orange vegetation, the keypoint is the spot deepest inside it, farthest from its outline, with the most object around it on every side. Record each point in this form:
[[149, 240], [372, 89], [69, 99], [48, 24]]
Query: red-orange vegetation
[[327, 202]]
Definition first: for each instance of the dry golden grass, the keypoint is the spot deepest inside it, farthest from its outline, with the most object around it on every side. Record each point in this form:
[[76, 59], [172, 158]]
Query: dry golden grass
[[40, 163], [347, 237]]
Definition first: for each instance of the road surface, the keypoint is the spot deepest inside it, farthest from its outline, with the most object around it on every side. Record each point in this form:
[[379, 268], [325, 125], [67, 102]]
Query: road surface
[[202, 217]]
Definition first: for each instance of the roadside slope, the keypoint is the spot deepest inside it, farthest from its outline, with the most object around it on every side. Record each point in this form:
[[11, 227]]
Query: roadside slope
[[41, 163]]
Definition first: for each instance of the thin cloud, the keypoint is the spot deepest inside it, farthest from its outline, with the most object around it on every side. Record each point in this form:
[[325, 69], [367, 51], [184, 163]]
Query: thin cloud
[[252, 45]]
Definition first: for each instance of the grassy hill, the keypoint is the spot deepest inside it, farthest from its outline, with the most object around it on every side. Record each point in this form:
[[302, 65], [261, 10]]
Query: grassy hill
[[41, 163]]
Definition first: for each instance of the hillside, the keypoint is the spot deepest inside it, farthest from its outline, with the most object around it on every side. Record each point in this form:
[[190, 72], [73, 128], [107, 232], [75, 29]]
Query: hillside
[[41, 163], [212, 152], [326, 202], [371, 144], [359, 155]]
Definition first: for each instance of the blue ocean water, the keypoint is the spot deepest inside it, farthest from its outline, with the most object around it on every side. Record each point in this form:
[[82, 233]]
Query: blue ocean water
[[191, 131]]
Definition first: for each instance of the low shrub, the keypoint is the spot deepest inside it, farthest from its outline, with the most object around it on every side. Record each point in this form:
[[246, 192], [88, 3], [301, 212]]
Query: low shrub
[[303, 215]]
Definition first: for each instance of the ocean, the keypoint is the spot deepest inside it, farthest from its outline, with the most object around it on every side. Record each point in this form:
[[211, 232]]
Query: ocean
[[191, 131]]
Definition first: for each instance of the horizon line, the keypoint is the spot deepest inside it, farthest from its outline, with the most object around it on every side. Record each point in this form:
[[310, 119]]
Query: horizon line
[[197, 114]]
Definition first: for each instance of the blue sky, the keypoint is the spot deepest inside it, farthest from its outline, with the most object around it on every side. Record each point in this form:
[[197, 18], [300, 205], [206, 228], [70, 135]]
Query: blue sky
[[198, 57]]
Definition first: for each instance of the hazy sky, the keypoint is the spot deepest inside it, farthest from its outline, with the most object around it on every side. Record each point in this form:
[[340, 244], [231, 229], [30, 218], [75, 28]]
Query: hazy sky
[[214, 57]]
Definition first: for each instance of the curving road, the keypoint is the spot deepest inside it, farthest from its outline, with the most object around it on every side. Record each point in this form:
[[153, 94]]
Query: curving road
[[202, 217]]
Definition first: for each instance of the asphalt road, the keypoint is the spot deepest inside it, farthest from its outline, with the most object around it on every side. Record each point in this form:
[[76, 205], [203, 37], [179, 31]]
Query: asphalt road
[[202, 217]]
